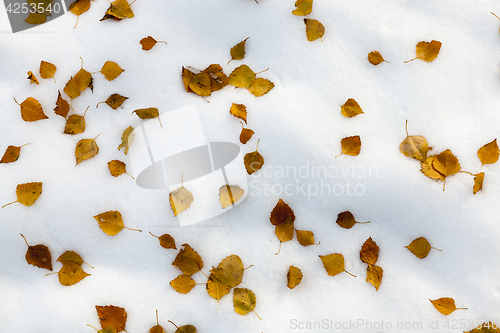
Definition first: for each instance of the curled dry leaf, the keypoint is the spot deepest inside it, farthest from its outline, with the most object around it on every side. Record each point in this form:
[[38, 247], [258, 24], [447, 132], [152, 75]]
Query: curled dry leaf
[[12, 154], [239, 111], [253, 161], [294, 277], [281, 213], [229, 271], [47, 70], [351, 145], [478, 182], [183, 284], [427, 51], [216, 289], [126, 139], [244, 301], [414, 146], [118, 10], [31, 110], [427, 168], [62, 106], [420, 247], [166, 241], [111, 222], [369, 252], [27, 193], [38, 255], [445, 305], [204, 83], [314, 29], [350, 108], [32, 78], [111, 315], [334, 264], [238, 51], [489, 153], [71, 273], [305, 237], [303, 7], [346, 220], [111, 70], [188, 260], [85, 149], [114, 101], [375, 58], [447, 164], [374, 275], [229, 194]]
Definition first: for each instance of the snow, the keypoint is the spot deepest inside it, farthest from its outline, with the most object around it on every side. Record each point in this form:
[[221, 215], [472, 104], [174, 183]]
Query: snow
[[452, 101]]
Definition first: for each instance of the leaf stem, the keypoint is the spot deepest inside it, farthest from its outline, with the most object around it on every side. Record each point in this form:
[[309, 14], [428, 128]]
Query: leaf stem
[[25, 240], [410, 60], [350, 273], [10, 203], [133, 229], [86, 111], [495, 15], [153, 235]]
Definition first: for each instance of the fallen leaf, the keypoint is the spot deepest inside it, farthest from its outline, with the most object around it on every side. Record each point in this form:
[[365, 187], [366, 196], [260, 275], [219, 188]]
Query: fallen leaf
[[72, 89], [488, 327], [346, 220], [200, 84], [111, 222], [229, 271], [126, 139], [253, 161], [242, 77], [75, 124], [238, 51], [180, 200], [305, 237], [188, 260], [32, 78], [83, 79], [239, 111], [375, 58], [79, 7], [111, 70], [260, 87], [114, 101], [157, 328], [85, 149], [334, 264], [414, 146], [314, 29], [31, 110], [71, 273], [12, 154], [294, 277], [38, 255], [184, 329], [488, 154], [420, 247], [244, 301], [36, 18], [284, 231], [118, 10], [149, 42], [70, 256], [446, 163], [350, 108], [303, 7], [166, 241], [183, 284], [62, 106], [148, 113], [27, 193], [117, 168], [478, 182], [218, 79], [111, 315], [229, 194], [374, 275], [351, 145], [281, 213], [216, 289], [445, 305], [428, 169], [427, 51], [369, 252], [47, 70], [246, 134]]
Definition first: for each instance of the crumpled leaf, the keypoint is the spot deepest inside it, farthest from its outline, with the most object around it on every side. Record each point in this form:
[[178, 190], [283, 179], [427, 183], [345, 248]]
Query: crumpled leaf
[[148, 113], [27, 193], [294, 277], [260, 86], [303, 7], [427, 168], [305, 237], [118, 10], [114, 101], [166, 241], [489, 153], [478, 182], [238, 51], [32, 78], [427, 51], [85, 149], [374, 275], [239, 111], [204, 83], [334, 264], [369, 252], [346, 220], [183, 284], [281, 212], [126, 139], [216, 289], [375, 58], [111, 222], [253, 161], [242, 77], [446, 163], [31, 110], [47, 70], [188, 260], [149, 42], [314, 29], [71, 273], [351, 145], [111, 315], [218, 79], [414, 146], [111, 70], [420, 247], [229, 194], [244, 301], [350, 108], [38, 255], [180, 200], [62, 106], [445, 305], [229, 271], [12, 154]]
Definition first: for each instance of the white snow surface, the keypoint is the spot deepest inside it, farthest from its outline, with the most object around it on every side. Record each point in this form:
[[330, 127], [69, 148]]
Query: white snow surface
[[453, 102]]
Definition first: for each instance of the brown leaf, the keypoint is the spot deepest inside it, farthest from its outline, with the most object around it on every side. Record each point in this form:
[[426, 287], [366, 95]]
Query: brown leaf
[[114, 101], [149, 42], [180, 200], [62, 106], [229, 194], [216, 289], [294, 277], [375, 58], [111, 315], [427, 51], [31, 110], [260, 86], [303, 7], [281, 212], [218, 79], [183, 284], [239, 111], [38, 255], [166, 241], [11, 154], [305, 237], [245, 135], [334, 264], [253, 161], [32, 78], [47, 70], [126, 139], [374, 275], [445, 305], [85, 149], [71, 273], [478, 182], [446, 163], [314, 29], [351, 145], [111, 70], [148, 113], [188, 260], [489, 153], [229, 271], [238, 51], [420, 247], [350, 108], [346, 220], [27, 193], [369, 252]]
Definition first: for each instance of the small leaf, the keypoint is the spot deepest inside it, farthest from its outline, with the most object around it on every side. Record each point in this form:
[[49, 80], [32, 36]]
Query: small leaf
[[242, 77], [369, 252], [489, 153], [375, 58], [11, 154], [71, 273], [446, 163], [420, 247], [305, 237], [350, 108], [427, 51], [238, 51], [27, 193], [75, 124], [478, 182], [314, 29], [346, 220], [117, 168], [85, 149], [70, 256], [229, 194], [374, 275], [245, 135], [253, 161], [111, 315], [229, 271], [149, 42], [260, 87], [47, 70], [114, 101], [79, 7], [216, 289], [180, 200], [427, 168], [303, 7], [244, 301], [72, 89], [111, 70], [183, 284], [36, 18], [111, 222], [166, 241], [284, 231], [351, 145], [148, 113], [83, 79], [294, 277], [126, 139], [38, 255], [239, 111], [32, 78], [188, 260], [445, 305], [334, 264], [62, 106], [281, 212], [118, 10], [31, 110]]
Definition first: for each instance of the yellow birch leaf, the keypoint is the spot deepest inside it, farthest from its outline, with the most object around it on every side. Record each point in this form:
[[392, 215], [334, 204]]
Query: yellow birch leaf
[[111, 315], [147, 113], [85, 149], [70, 256], [303, 7], [420, 247], [489, 153], [188, 260], [180, 200], [166, 241], [346, 220], [229, 194], [294, 277], [445, 305], [31, 110], [71, 89], [242, 77], [36, 18], [183, 284], [71, 273], [111, 70], [117, 168], [374, 275], [244, 301], [260, 87], [114, 101], [11, 154], [428, 169], [375, 58], [239, 111], [246, 134], [229, 271], [478, 182], [83, 79], [350, 108], [446, 163], [32, 78], [75, 124], [314, 29], [238, 51], [79, 7], [27, 193], [111, 222], [253, 161], [334, 264], [284, 231], [62, 106], [427, 51], [351, 145], [118, 10], [414, 146], [126, 139], [305, 237], [47, 70], [201, 84], [216, 289]]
